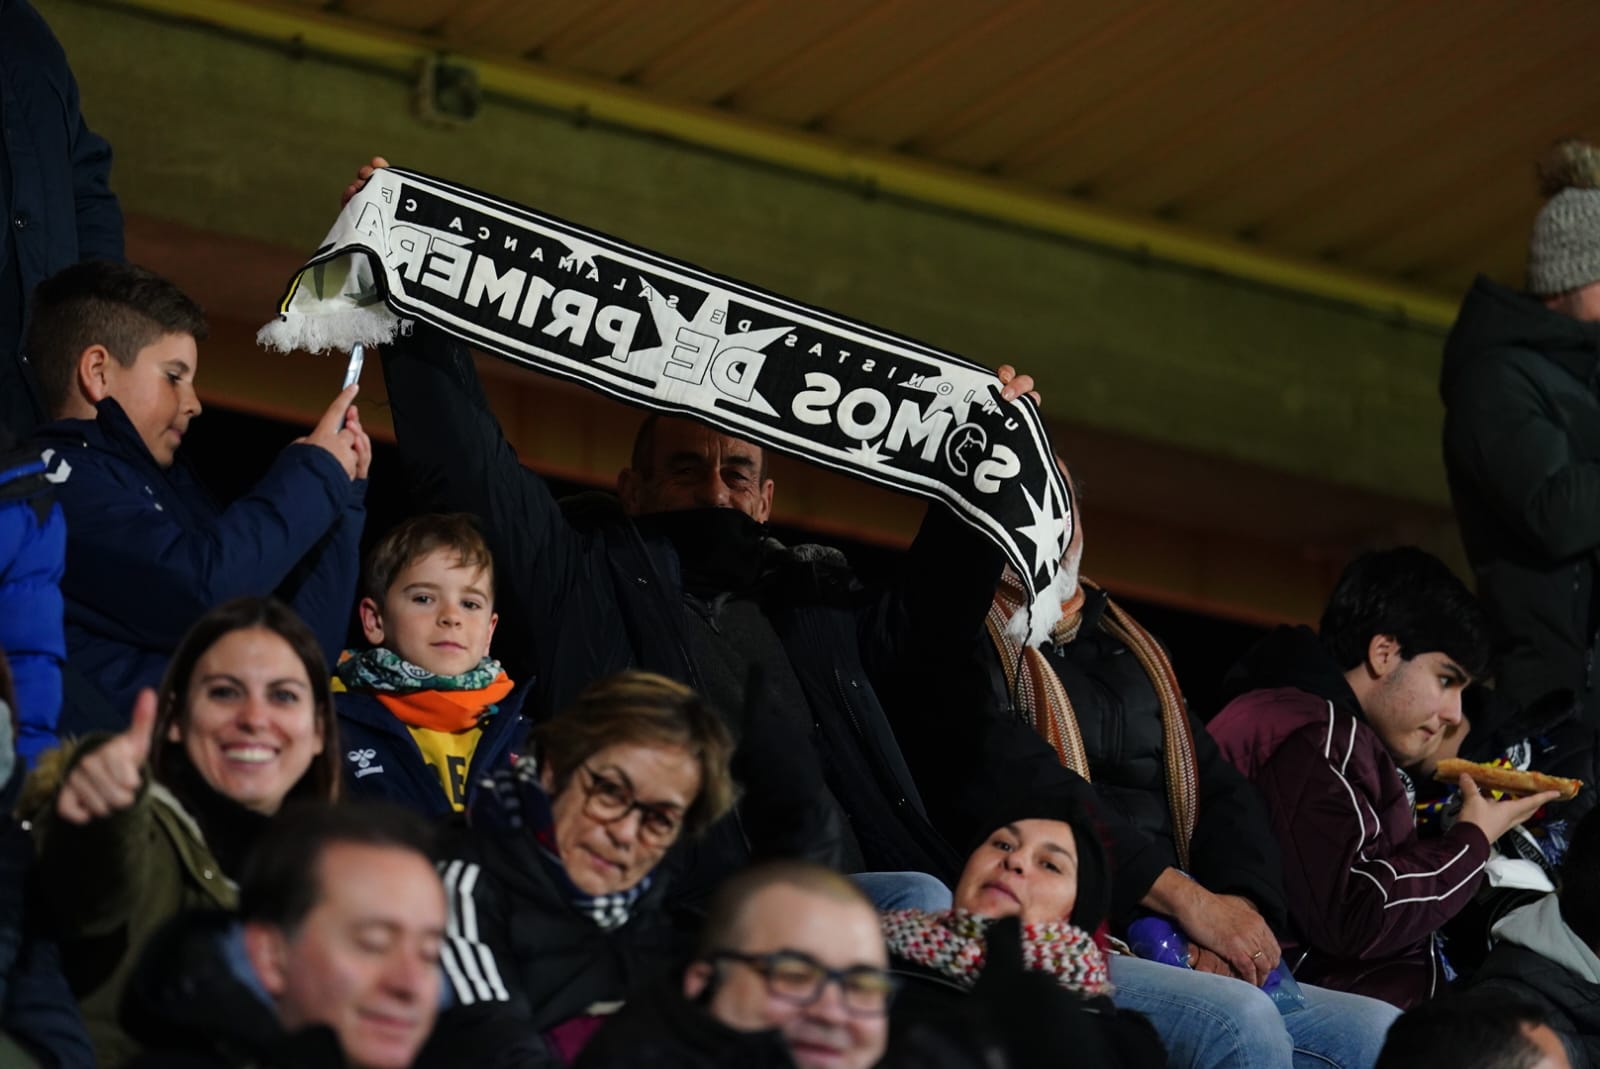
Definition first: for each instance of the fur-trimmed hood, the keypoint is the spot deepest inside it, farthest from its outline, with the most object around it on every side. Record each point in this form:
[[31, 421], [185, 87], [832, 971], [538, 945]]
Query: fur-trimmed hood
[[49, 772]]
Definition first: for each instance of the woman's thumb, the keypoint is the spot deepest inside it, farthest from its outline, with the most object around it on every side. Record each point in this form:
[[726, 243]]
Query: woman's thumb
[[142, 725]]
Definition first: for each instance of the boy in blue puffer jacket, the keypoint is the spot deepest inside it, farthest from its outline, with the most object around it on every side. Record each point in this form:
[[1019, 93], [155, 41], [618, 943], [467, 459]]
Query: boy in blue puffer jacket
[[33, 540], [426, 713]]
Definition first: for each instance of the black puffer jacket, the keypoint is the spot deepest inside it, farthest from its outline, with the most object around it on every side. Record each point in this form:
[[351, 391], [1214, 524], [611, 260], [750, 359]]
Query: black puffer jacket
[[1119, 713], [579, 604], [1521, 387]]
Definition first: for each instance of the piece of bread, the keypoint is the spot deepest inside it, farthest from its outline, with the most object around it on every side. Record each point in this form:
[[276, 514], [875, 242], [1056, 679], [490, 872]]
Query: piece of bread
[[1510, 780]]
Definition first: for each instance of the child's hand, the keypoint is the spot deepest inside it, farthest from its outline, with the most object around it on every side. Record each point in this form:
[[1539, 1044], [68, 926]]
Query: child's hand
[[339, 432], [360, 441], [108, 779], [365, 172]]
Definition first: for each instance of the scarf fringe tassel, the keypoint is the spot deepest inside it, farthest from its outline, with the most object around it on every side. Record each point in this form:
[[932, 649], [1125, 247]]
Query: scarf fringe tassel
[[339, 331]]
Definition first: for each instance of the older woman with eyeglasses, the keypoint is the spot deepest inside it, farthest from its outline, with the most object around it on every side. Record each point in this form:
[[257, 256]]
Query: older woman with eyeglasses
[[555, 887]]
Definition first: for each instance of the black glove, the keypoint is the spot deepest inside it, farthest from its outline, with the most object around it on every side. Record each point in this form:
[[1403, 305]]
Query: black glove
[[1038, 1023]]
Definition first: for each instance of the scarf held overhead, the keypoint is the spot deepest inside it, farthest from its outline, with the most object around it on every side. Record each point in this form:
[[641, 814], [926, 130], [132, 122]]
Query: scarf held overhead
[[670, 337]]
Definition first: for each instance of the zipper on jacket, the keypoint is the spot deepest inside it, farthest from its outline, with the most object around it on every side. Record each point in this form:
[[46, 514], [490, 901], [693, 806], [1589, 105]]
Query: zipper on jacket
[[850, 710]]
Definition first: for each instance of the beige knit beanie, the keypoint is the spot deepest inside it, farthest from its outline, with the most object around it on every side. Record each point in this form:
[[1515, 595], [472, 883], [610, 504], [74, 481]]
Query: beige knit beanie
[[1564, 251]]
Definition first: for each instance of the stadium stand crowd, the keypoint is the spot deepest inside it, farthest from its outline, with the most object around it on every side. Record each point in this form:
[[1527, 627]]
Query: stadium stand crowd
[[620, 780]]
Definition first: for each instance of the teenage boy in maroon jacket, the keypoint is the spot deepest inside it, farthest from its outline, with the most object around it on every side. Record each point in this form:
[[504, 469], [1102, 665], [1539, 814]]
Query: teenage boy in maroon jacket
[[1324, 724]]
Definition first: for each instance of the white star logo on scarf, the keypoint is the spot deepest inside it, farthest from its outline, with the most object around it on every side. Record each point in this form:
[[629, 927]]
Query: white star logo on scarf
[[868, 453], [723, 375], [1047, 532]]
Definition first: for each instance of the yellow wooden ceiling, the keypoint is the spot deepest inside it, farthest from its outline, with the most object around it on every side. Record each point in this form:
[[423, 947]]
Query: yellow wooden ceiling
[[1393, 139]]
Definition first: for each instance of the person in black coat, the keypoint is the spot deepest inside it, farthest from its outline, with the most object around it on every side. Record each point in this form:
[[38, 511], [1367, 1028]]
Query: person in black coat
[[55, 194], [557, 886], [1518, 382], [676, 575]]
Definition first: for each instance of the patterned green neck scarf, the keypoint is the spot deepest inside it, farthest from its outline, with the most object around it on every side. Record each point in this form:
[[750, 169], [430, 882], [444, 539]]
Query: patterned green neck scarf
[[387, 672]]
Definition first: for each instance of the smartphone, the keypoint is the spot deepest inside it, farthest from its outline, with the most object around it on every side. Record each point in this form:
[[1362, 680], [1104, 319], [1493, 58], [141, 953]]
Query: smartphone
[[352, 371]]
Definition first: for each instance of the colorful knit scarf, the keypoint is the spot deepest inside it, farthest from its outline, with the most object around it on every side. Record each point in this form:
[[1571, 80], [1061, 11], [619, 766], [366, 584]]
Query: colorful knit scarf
[[1039, 693], [418, 698], [951, 943]]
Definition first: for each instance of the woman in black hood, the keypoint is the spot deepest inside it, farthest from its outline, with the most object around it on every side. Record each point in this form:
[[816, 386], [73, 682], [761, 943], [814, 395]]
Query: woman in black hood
[[1015, 974]]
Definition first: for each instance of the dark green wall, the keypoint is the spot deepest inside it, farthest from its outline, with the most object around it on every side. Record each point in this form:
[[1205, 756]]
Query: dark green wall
[[237, 137]]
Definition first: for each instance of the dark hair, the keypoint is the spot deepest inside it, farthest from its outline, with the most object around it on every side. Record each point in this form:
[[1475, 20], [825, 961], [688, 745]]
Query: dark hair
[[1580, 881], [98, 302], [1413, 597], [1478, 1030], [282, 882], [322, 780], [725, 916], [643, 458], [642, 707], [410, 540]]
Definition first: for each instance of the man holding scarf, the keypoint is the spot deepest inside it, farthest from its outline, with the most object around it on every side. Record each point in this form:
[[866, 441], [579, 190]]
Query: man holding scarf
[[676, 574]]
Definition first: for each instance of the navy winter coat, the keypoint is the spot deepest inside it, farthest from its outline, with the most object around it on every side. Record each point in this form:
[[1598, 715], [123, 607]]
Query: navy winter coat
[[33, 542], [149, 552], [382, 760], [54, 192]]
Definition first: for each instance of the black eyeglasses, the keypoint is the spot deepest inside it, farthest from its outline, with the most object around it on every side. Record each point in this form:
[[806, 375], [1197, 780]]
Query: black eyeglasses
[[798, 978], [608, 801]]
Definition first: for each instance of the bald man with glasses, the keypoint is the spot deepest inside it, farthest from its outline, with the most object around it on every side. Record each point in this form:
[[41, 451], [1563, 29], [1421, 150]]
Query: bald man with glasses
[[790, 972]]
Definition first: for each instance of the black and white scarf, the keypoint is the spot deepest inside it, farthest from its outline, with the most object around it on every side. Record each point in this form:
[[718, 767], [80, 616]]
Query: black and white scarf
[[668, 336]]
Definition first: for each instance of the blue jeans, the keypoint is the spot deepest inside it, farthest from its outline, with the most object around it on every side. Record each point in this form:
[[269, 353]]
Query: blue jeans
[[903, 890], [1216, 1022]]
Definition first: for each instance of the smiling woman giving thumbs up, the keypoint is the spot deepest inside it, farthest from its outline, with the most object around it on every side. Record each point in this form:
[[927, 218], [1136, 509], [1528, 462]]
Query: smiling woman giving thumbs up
[[157, 820]]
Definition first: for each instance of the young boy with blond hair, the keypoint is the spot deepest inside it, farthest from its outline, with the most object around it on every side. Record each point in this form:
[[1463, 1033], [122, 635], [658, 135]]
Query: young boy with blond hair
[[426, 713]]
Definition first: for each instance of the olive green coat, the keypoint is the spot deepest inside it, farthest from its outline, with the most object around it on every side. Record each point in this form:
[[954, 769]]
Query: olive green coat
[[107, 886]]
